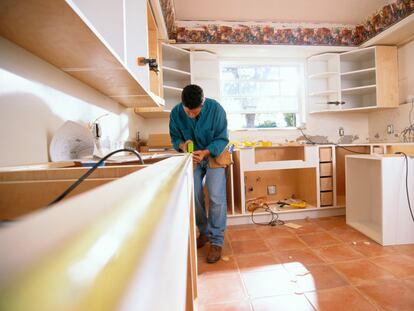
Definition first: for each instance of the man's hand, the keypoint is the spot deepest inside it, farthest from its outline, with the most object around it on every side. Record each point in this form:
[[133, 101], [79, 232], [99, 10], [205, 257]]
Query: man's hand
[[199, 155], [183, 146]]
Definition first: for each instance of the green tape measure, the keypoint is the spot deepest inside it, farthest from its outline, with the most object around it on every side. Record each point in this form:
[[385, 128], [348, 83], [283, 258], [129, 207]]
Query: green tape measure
[[190, 147]]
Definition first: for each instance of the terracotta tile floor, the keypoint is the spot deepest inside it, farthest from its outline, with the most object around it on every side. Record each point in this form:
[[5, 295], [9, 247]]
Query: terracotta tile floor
[[325, 265]]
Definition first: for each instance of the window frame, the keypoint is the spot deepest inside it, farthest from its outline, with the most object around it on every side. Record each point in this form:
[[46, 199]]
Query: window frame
[[300, 62]]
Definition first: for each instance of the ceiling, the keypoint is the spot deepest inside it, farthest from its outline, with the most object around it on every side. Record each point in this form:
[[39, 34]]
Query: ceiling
[[349, 12]]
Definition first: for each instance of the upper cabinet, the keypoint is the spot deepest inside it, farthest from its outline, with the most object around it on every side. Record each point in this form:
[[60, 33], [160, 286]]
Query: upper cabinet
[[76, 37], [359, 80], [176, 71], [175, 67]]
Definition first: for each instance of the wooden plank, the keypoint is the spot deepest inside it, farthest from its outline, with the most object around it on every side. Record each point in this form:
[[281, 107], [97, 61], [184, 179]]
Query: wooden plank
[[306, 179], [386, 61]]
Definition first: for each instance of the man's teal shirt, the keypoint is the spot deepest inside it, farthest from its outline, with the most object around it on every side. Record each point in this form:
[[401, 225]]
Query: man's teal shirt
[[207, 131]]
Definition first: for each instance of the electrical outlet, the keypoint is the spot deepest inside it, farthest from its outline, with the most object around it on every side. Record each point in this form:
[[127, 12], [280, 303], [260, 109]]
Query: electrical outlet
[[341, 131], [271, 190], [390, 129]]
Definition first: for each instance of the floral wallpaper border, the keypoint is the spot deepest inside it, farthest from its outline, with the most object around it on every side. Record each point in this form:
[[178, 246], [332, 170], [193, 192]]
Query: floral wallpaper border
[[287, 34]]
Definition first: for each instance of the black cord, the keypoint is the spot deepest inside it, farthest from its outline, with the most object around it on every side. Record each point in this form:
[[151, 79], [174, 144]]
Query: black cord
[[314, 143], [406, 183], [273, 222], [90, 171]]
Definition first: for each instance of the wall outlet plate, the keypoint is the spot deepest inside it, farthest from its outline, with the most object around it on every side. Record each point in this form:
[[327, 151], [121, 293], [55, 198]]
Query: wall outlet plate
[[390, 129], [271, 190], [341, 131]]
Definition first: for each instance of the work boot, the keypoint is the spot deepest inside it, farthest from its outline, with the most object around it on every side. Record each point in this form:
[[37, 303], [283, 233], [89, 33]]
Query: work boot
[[202, 240], [214, 254]]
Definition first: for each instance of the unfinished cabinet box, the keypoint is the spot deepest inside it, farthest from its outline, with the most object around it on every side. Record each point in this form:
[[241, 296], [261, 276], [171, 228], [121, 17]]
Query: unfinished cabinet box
[[300, 183], [24, 191], [341, 152]]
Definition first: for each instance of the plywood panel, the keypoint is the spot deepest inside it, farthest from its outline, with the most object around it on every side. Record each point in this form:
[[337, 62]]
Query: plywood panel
[[67, 173], [114, 82], [387, 76], [288, 182], [340, 165], [54, 32], [20, 198], [408, 150], [279, 154], [237, 190], [159, 141], [153, 51]]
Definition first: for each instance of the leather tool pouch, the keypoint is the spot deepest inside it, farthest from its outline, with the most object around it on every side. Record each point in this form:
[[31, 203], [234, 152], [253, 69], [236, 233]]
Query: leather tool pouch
[[223, 160]]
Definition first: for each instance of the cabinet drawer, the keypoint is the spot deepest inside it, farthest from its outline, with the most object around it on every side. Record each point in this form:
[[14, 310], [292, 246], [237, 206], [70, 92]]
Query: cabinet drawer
[[326, 198], [325, 154], [325, 169], [326, 184]]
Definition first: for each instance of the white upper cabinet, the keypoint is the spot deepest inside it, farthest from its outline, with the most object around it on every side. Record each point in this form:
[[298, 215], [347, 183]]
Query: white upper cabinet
[[106, 21], [359, 80]]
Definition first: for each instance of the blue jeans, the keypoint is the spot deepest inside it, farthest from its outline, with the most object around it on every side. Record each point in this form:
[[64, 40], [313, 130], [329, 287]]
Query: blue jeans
[[215, 224]]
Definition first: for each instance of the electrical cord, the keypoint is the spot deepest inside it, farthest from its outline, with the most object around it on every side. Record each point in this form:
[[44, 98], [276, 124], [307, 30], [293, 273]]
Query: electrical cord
[[314, 143], [273, 222], [90, 171], [406, 183], [408, 133]]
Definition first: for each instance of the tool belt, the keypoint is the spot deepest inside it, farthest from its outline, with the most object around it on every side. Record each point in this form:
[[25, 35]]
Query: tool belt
[[223, 160]]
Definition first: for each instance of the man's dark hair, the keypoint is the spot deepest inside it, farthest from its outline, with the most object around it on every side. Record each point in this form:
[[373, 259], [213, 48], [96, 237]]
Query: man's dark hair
[[192, 96]]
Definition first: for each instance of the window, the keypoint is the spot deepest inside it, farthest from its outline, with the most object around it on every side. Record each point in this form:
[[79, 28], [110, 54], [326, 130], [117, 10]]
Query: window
[[261, 95]]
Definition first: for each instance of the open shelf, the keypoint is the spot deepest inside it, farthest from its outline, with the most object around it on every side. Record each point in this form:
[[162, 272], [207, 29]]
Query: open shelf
[[357, 109], [323, 75], [359, 90], [54, 32], [362, 74], [323, 93], [172, 89], [152, 112]]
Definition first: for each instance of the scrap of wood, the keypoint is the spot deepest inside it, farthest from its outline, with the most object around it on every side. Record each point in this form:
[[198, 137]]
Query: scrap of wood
[[292, 225]]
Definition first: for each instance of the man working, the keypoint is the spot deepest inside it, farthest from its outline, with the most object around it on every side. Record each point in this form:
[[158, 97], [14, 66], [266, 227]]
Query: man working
[[203, 121]]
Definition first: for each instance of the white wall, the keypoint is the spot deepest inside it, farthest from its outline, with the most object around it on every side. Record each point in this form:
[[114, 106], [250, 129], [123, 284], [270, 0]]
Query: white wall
[[379, 120], [316, 124], [36, 98]]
